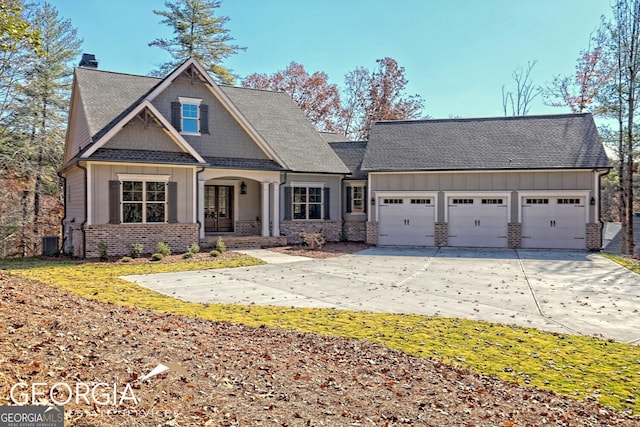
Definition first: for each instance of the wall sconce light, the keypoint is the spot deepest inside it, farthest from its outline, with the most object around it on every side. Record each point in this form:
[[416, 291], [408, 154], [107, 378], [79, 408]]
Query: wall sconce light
[[243, 188], [593, 201], [373, 201]]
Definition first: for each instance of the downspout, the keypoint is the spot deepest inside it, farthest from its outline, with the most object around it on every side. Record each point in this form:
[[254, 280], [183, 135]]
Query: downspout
[[64, 208], [86, 209], [599, 204], [197, 196]]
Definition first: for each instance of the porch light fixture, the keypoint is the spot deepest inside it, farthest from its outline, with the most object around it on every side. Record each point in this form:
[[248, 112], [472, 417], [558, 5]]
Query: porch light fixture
[[373, 201], [243, 188], [593, 201]]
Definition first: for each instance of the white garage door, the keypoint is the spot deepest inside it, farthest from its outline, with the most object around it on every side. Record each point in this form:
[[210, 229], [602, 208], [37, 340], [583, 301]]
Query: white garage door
[[406, 221], [554, 222], [478, 222]]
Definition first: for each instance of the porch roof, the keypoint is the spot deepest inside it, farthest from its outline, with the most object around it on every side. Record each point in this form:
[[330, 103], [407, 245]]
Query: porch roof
[[239, 163]]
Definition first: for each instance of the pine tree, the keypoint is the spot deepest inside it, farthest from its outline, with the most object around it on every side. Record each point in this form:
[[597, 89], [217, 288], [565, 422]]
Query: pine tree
[[198, 34]]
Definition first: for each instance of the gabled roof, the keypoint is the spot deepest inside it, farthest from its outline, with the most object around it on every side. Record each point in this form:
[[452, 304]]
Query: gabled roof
[[108, 96], [272, 119], [277, 118], [568, 141], [352, 154]]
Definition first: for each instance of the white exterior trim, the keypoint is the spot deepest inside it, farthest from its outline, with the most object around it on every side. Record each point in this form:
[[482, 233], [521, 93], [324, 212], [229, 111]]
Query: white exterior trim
[[224, 100], [89, 195], [178, 139], [142, 177]]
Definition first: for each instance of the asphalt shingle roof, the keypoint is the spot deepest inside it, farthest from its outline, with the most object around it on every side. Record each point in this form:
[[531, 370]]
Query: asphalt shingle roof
[[567, 141], [108, 96], [143, 156], [351, 153], [277, 118]]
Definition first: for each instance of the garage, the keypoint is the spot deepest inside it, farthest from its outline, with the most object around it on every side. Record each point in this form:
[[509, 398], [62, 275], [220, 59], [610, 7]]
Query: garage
[[406, 221], [478, 221], [556, 222]]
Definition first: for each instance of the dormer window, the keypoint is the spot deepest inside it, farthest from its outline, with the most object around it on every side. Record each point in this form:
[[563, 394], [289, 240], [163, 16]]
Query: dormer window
[[190, 116]]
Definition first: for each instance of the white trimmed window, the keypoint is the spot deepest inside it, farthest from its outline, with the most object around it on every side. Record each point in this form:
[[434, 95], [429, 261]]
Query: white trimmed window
[[357, 198], [144, 201], [190, 115], [307, 203]]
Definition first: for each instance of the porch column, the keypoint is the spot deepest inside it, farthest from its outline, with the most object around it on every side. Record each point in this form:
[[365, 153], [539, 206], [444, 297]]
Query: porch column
[[265, 209], [275, 213], [200, 213]]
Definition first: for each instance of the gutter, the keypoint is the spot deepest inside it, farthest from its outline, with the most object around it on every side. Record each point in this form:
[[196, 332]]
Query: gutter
[[64, 207], [198, 201]]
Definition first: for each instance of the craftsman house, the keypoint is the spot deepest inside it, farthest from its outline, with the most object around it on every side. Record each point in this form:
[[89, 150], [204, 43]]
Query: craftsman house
[[182, 159]]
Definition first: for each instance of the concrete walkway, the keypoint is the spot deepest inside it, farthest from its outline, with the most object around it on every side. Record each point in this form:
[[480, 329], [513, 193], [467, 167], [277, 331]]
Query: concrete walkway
[[562, 291]]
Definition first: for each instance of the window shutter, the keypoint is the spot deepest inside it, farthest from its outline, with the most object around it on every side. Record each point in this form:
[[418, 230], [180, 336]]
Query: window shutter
[[114, 202], [349, 199], [327, 206], [176, 116], [287, 203], [172, 196], [204, 118], [365, 202]]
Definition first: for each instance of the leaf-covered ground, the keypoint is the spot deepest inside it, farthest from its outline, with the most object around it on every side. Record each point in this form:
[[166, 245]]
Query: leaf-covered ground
[[242, 376]]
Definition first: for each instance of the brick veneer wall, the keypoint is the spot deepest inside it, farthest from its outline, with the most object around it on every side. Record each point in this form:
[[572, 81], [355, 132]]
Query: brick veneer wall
[[441, 234], [514, 235], [372, 232], [354, 231], [594, 236], [332, 230], [119, 237], [248, 228]]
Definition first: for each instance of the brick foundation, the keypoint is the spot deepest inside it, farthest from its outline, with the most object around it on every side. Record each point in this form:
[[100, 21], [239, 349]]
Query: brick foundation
[[248, 228], [332, 230], [372, 233], [514, 239], [118, 237], [594, 236], [442, 234], [354, 231]]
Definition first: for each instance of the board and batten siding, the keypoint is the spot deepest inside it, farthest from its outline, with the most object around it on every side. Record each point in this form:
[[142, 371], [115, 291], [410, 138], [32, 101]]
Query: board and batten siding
[[226, 139], [75, 195], [481, 181], [102, 174]]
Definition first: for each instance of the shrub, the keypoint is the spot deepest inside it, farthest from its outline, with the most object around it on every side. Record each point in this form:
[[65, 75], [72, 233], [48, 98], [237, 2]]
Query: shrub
[[214, 253], [103, 251], [135, 250], [187, 255], [194, 248], [157, 257], [126, 259], [163, 248], [221, 246], [313, 240]]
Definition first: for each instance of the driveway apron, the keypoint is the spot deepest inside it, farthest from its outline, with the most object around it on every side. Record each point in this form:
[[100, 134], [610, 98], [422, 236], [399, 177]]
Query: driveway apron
[[560, 291]]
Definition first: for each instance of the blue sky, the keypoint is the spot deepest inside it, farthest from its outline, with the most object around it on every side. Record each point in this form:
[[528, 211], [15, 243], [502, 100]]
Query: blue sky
[[457, 53]]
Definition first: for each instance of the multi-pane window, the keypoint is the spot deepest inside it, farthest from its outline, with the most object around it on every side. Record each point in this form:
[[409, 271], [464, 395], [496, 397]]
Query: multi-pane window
[[190, 118], [568, 201], [537, 201], [307, 203], [357, 199], [462, 201], [144, 201]]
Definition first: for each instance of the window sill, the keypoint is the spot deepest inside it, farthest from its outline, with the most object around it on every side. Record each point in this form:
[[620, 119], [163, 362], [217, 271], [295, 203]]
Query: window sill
[[191, 133]]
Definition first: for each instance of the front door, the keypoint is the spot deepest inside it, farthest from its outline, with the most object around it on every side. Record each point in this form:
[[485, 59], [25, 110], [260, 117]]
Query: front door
[[218, 208]]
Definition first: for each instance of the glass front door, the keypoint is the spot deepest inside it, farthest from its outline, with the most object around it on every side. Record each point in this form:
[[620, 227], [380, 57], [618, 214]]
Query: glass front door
[[218, 208]]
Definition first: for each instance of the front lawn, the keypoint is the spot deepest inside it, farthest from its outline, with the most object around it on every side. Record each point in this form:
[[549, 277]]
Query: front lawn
[[572, 365]]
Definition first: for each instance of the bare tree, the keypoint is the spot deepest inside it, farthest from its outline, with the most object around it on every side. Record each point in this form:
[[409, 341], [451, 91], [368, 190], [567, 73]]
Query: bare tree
[[519, 102]]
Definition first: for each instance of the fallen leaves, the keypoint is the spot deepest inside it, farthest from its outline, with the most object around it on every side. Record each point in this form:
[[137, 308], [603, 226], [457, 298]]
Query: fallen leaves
[[237, 375]]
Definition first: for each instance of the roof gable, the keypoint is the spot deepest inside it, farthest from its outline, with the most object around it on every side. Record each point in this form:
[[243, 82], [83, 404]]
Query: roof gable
[[569, 141], [352, 154]]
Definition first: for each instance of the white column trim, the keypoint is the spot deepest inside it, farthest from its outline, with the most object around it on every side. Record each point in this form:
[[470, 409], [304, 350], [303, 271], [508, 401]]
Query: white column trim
[[89, 197], [265, 209], [275, 213], [200, 196]]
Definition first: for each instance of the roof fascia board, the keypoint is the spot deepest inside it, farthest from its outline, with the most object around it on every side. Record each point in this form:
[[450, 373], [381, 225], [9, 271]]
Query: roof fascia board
[[585, 169], [130, 163], [225, 101], [175, 136]]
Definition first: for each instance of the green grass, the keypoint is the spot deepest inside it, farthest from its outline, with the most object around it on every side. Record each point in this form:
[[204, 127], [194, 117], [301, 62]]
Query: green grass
[[572, 365], [630, 263]]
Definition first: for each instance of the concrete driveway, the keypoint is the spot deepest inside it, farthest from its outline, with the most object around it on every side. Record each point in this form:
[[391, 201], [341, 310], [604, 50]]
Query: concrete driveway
[[562, 291]]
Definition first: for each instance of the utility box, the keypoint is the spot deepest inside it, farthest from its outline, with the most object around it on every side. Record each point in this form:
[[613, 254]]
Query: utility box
[[50, 245]]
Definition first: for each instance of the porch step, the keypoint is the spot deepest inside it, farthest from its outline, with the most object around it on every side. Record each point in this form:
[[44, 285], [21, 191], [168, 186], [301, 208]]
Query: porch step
[[244, 242]]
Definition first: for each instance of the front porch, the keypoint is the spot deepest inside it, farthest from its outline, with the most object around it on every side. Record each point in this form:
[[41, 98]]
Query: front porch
[[233, 241]]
